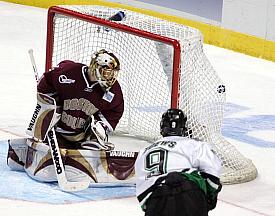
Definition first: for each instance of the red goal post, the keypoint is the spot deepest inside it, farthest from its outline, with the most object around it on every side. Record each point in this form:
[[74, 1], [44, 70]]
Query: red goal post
[[162, 65]]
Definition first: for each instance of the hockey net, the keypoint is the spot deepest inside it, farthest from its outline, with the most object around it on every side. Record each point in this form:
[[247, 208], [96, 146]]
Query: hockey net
[[162, 65]]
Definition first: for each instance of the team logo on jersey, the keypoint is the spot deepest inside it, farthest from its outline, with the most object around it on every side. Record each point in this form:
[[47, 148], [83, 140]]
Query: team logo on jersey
[[64, 80], [108, 96]]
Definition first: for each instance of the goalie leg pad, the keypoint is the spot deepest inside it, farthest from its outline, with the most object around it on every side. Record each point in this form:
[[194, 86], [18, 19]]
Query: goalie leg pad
[[106, 167], [17, 153], [38, 155], [39, 164], [100, 166]]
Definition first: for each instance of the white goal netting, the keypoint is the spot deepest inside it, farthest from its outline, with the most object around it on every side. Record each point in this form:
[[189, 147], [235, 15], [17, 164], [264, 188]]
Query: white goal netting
[[148, 74]]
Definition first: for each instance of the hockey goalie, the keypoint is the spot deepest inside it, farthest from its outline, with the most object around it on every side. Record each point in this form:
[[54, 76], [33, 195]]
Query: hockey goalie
[[77, 107]]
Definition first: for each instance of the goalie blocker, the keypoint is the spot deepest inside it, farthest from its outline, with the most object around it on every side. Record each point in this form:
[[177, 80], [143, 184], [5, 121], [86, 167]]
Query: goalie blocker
[[88, 158], [45, 116]]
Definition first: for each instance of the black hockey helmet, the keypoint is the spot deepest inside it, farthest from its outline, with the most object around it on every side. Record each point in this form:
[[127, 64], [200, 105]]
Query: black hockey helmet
[[173, 123]]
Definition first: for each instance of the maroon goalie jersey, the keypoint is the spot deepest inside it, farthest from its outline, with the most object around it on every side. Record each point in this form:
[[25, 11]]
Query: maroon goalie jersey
[[80, 98]]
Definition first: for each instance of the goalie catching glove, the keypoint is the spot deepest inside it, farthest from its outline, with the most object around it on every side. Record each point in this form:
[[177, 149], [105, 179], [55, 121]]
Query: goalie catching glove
[[99, 129], [100, 142]]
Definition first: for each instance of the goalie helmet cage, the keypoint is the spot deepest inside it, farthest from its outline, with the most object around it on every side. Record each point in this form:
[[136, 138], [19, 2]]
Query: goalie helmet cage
[[162, 65]]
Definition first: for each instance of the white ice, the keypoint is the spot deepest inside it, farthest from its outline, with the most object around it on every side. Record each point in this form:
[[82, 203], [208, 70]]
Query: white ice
[[250, 83]]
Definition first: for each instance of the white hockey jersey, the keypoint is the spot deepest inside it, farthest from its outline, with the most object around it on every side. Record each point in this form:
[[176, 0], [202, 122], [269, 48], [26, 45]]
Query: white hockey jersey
[[173, 153]]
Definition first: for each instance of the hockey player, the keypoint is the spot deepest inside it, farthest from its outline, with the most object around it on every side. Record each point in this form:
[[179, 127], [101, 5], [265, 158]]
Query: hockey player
[[82, 104], [90, 97], [177, 175]]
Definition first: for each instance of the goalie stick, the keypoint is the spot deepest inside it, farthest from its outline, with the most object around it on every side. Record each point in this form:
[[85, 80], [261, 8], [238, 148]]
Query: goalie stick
[[63, 183]]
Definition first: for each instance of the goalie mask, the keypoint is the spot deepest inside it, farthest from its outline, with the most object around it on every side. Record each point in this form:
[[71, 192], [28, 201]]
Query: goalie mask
[[173, 123], [104, 67]]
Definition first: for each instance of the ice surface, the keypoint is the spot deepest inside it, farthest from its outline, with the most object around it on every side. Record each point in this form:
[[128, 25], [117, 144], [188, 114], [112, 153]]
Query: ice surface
[[249, 121]]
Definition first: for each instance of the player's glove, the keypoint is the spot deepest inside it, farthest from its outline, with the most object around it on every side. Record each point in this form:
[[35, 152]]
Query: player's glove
[[99, 130], [213, 188]]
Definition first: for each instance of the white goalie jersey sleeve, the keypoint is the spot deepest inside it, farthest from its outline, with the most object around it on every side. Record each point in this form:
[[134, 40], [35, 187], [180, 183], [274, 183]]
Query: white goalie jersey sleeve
[[173, 154]]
